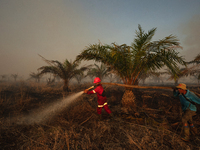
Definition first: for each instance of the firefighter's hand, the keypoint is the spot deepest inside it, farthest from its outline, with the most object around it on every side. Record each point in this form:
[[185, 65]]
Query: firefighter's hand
[[86, 90], [175, 89]]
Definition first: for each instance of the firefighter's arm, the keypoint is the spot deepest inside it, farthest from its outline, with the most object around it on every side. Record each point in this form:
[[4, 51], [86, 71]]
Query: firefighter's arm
[[91, 92]]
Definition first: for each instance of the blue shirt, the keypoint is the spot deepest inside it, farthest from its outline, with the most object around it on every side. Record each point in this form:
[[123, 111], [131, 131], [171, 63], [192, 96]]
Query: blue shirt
[[185, 103]]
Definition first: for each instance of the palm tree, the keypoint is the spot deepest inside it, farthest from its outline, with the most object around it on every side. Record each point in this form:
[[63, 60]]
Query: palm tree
[[79, 77], [35, 76], [175, 75], [129, 62], [66, 70], [91, 73], [112, 77], [144, 75], [196, 60], [50, 80], [15, 76], [3, 77], [100, 71]]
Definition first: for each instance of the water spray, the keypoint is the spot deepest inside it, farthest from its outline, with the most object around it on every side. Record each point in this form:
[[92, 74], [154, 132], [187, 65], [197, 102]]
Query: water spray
[[47, 112]]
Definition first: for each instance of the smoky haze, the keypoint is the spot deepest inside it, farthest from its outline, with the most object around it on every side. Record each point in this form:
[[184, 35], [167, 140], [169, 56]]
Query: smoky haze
[[60, 30], [28, 28], [191, 40]]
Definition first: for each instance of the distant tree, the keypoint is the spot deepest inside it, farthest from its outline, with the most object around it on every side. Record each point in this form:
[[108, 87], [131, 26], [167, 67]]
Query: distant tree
[[80, 77], [15, 76], [180, 72], [66, 70], [111, 77], [100, 71], [57, 78], [91, 73], [36, 76], [146, 74], [50, 80], [3, 77]]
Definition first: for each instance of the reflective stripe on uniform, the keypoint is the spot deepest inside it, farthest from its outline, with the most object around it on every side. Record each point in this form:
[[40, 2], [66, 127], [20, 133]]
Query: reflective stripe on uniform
[[102, 105], [93, 91]]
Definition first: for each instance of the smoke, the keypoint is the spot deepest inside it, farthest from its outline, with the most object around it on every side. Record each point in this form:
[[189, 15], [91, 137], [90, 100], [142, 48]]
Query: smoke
[[41, 115], [191, 40]]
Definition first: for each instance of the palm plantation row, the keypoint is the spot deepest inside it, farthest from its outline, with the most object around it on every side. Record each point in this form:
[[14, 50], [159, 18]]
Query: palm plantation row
[[132, 64]]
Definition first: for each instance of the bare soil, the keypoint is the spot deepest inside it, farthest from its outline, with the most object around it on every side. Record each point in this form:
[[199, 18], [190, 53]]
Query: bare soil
[[157, 125]]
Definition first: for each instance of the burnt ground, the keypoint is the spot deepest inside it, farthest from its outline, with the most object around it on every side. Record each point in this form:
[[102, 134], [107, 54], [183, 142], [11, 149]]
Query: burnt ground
[[157, 125]]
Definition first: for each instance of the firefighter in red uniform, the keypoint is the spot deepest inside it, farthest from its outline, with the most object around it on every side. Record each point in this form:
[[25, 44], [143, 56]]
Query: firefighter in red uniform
[[101, 98]]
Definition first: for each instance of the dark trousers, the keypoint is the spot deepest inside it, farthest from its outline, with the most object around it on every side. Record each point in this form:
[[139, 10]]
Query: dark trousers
[[187, 116]]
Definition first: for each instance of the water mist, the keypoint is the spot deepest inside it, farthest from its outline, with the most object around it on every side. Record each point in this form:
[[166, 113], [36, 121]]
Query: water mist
[[43, 114]]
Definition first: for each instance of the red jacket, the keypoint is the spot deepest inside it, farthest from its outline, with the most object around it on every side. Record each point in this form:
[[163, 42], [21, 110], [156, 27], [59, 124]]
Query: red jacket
[[99, 90]]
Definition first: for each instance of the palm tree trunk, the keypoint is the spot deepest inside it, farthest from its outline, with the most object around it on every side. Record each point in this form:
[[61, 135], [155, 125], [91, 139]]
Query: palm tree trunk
[[176, 82], [66, 86], [128, 99]]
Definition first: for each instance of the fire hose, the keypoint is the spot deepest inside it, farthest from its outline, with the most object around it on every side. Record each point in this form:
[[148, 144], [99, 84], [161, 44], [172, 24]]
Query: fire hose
[[146, 87], [90, 88], [139, 87]]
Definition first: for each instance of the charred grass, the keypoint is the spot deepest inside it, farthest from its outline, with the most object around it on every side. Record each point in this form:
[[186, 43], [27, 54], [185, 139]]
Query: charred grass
[[77, 127]]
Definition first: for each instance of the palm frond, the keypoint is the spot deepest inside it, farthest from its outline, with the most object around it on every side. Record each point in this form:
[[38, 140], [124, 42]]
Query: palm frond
[[130, 62]]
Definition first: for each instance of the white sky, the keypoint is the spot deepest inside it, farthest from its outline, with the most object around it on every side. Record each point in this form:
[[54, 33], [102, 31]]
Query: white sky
[[61, 29]]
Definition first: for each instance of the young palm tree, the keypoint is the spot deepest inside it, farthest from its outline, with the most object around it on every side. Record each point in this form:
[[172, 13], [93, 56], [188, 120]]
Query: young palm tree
[[66, 71], [129, 62], [36, 76], [112, 77], [15, 76], [91, 73], [3, 77], [175, 75], [80, 77], [144, 75], [100, 71]]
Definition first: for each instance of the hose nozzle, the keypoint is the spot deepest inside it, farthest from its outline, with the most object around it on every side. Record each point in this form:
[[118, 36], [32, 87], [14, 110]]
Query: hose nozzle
[[90, 87]]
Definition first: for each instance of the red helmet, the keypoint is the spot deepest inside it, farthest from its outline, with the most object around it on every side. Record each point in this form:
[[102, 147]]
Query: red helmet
[[97, 79]]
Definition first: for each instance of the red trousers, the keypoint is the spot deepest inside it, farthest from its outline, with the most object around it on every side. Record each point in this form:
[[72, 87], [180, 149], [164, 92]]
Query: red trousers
[[99, 109]]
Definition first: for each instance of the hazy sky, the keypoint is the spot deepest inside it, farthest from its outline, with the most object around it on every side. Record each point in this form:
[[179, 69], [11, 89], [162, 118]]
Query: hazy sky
[[61, 29]]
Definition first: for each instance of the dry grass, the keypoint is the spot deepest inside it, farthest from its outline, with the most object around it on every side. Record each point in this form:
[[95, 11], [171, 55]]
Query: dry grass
[[78, 128]]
